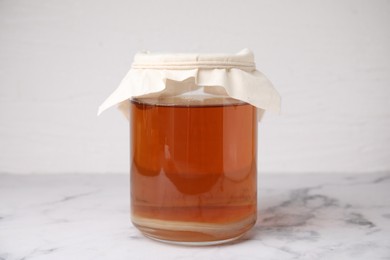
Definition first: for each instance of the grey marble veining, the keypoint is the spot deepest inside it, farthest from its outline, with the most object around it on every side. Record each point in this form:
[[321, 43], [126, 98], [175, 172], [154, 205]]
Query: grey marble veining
[[310, 216]]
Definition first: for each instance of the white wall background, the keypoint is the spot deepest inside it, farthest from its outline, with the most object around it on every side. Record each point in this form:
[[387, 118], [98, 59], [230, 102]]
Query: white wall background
[[330, 60]]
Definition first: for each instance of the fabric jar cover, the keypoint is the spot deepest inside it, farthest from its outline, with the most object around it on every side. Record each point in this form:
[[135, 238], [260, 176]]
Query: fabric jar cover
[[154, 73]]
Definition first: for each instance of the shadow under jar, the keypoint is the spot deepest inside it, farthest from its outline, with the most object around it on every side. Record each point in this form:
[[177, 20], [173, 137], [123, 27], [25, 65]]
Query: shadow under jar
[[193, 168]]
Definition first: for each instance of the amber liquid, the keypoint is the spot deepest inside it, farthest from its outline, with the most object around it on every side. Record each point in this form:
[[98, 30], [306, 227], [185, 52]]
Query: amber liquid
[[193, 169]]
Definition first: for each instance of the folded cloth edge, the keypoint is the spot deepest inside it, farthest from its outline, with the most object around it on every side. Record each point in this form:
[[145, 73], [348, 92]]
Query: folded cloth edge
[[251, 87]]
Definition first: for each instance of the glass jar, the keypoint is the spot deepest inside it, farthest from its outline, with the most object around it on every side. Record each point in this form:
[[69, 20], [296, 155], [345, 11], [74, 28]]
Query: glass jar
[[193, 168], [193, 134]]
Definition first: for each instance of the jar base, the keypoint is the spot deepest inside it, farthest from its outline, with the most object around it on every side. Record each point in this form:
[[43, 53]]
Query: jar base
[[198, 243], [193, 234]]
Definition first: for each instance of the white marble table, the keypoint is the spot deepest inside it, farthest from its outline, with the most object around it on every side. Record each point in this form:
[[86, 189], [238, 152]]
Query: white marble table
[[300, 217]]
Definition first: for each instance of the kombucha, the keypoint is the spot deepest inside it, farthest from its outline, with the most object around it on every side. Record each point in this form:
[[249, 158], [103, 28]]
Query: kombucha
[[193, 168]]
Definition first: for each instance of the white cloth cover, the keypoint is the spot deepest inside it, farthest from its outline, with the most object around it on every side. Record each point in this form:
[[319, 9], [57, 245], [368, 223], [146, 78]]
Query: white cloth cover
[[155, 72]]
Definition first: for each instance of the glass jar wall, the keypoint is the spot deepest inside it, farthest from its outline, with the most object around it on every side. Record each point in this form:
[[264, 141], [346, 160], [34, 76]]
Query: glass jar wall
[[193, 168]]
